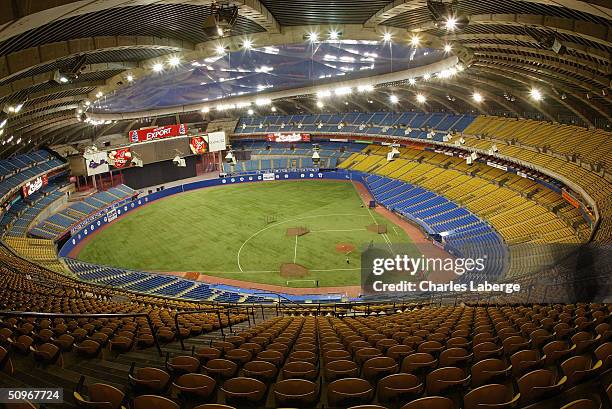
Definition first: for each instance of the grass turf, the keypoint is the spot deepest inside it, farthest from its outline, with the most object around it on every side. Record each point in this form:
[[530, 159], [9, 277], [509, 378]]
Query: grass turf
[[223, 232]]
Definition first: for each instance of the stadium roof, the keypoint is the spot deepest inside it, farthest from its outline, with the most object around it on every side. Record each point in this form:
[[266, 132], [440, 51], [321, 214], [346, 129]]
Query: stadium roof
[[508, 48]]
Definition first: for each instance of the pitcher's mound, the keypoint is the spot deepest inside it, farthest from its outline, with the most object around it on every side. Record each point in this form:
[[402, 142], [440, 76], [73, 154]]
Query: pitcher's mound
[[290, 270], [297, 231], [377, 228], [345, 248]]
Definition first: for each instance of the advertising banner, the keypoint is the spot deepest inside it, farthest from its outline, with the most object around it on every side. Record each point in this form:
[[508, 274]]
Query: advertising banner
[[291, 137], [34, 186], [151, 134], [120, 158], [570, 199], [198, 145], [216, 141], [268, 176], [96, 163]]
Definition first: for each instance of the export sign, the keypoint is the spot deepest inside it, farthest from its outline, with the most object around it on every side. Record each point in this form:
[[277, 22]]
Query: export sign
[[151, 134]]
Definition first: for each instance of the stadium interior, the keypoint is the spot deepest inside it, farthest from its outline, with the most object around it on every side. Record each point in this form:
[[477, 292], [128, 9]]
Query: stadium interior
[[217, 204]]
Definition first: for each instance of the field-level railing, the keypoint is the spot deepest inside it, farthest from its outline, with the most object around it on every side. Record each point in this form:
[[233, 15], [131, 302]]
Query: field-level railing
[[52, 315]]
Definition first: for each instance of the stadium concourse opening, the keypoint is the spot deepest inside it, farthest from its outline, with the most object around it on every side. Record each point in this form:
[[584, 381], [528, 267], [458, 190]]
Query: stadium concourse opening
[[308, 204]]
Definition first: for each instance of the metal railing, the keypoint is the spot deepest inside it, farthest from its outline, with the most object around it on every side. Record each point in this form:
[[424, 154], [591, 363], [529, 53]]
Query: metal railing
[[221, 309], [52, 315]]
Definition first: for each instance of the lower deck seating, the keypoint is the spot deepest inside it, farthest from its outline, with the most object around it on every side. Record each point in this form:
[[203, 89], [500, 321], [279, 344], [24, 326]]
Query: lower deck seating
[[162, 285], [57, 224]]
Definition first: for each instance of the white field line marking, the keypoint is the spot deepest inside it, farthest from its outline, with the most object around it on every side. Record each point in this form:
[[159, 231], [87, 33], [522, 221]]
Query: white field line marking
[[295, 249], [276, 271], [287, 221], [388, 241], [395, 230], [329, 231]]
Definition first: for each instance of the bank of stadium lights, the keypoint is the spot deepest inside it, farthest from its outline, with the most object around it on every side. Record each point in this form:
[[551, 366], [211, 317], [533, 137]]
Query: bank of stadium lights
[[320, 104], [393, 98], [421, 99], [263, 101], [273, 109], [220, 49], [535, 94], [412, 81], [129, 78], [427, 77], [158, 67], [477, 96], [205, 110], [415, 40], [448, 48], [250, 111], [387, 37], [324, 94], [343, 91], [334, 35]]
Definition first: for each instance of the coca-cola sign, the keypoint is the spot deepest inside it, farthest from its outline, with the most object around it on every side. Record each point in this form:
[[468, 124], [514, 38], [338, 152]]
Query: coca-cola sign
[[198, 145], [120, 158], [151, 134]]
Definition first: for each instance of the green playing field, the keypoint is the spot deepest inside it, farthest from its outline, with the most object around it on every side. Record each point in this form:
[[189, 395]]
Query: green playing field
[[241, 232]]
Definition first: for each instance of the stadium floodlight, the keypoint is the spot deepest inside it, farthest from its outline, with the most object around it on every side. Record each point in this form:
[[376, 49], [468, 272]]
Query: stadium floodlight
[[365, 88], [158, 67], [273, 109], [220, 49], [320, 104], [477, 97], [129, 78], [535, 94], [415, 40], [247, 44], [206, 110], [250, 112], [451, 23], [313, 36], [174, 61], [387, 37], [411, 81], [421, 99], [426, 77], [393, 98], [448, 48], [334, 35]]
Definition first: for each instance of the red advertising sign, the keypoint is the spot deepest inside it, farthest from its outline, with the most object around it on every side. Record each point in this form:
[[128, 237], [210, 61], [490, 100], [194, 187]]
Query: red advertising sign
[[288, 137], [198, 145], [34, 186], [151, 134], [120, 158], [570, 199]]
